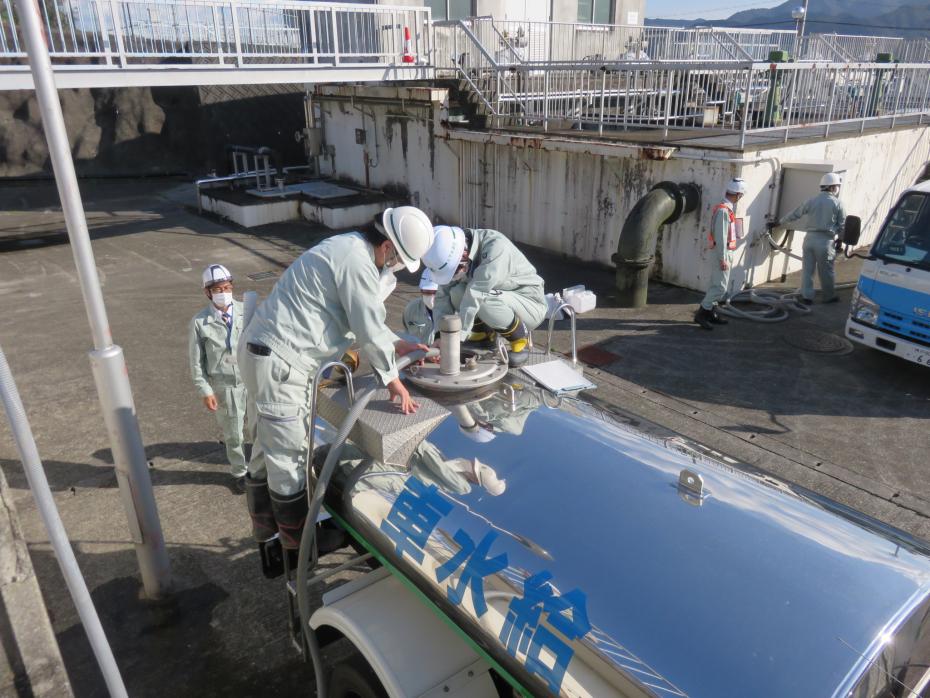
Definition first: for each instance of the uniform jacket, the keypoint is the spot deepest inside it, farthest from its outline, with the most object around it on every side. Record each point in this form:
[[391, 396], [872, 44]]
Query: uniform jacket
[[496, 265], [327, 300], [211, 357], [822, 214]]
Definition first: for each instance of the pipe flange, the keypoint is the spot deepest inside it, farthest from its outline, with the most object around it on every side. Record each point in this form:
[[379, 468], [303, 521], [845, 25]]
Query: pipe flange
[[475, 373]]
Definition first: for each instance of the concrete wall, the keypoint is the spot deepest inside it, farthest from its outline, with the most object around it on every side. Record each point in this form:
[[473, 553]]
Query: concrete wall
[[152, 131], [573, 195]]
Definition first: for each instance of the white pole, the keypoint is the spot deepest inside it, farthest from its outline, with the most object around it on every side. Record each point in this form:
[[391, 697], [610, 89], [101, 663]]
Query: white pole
[[107, 361], [26, 445]]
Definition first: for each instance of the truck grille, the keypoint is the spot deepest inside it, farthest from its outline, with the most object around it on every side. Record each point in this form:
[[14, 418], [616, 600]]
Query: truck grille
[[915, 330]]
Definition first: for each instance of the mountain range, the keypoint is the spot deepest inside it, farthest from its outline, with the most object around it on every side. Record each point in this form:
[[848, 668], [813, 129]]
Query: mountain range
[[906, 18]]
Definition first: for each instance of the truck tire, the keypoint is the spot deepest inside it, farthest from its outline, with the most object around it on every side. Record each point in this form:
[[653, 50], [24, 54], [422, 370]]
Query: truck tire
[[354, 678]]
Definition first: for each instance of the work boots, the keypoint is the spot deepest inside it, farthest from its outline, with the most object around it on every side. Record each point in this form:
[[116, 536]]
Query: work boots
[[481, 336], [290, 513], [264, 528], [519, 337], [703, 318], [716, 318]]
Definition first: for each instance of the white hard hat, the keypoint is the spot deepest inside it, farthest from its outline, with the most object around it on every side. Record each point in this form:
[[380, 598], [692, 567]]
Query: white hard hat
[[488, 479], [411, 232], [427, 283], [444, 257], [736, 186], [215, 274], [478, 433], [831, 179]]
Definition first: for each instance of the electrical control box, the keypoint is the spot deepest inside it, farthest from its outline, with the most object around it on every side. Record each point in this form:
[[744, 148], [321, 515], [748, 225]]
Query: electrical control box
[[801, 181]]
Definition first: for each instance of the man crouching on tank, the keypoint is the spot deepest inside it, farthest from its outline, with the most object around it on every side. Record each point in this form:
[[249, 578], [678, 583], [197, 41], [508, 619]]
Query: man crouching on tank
[[484, 278]]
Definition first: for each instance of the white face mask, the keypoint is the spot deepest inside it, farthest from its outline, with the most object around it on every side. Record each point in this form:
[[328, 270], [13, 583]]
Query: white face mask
[[222, 300], [429, 300], [387, 282]]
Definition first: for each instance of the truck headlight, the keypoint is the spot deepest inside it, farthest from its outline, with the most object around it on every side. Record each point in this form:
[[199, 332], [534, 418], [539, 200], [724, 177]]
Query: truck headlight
[[863, 308]]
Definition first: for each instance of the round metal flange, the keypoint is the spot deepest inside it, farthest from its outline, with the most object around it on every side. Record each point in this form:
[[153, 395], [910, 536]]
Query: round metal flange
[[473, 374]]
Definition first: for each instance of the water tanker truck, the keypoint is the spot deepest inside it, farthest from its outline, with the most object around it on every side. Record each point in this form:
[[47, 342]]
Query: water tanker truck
[[522, 542]]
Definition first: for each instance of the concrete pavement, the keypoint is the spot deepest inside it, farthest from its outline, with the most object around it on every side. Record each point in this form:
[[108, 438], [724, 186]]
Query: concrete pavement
[[851, 425]]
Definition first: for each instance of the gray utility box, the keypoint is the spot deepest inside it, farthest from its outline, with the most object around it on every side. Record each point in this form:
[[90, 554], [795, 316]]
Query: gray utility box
[[801, 180]]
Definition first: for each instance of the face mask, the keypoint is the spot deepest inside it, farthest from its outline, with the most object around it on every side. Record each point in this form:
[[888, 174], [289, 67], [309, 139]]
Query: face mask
[[429, 301], [393, 264], [387, 282], [222, 300]]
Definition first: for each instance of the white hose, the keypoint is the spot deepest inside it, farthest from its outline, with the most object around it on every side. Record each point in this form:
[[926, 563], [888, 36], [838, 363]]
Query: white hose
[[26, 445], [775, 306]]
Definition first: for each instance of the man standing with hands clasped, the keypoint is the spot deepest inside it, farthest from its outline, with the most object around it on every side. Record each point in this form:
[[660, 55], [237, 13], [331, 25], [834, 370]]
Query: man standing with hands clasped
[[214, 334]]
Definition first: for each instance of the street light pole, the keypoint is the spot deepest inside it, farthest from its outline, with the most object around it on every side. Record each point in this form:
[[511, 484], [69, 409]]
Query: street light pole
[[107, 362]]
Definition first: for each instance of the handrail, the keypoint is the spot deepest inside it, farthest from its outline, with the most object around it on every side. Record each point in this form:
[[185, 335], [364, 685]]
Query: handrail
[[311, 419]]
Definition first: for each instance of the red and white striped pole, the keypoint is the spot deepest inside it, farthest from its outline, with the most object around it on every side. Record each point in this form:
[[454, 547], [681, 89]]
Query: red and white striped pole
[[408, 56]]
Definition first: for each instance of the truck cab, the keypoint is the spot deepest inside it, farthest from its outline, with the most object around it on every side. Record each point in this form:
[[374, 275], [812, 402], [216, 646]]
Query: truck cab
[[890, 308]]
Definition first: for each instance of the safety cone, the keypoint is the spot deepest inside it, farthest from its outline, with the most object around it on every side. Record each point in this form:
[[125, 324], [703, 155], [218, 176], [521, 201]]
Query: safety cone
[[408, 56]]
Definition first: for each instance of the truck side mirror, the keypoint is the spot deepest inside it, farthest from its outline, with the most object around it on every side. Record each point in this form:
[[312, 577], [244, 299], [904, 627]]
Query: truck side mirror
[[852, 230]]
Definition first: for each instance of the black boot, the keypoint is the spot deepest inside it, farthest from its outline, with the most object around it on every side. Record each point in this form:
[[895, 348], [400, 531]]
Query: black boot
[[702, 317], [264, 528], [518, 336], [716, 318], [290, 513]]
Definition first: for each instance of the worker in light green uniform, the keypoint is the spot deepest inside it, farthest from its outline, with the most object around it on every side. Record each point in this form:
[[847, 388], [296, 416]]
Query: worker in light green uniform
[[330, 298], [484, 278], [418, 313], [212, 342], [823, 219], [721, 240]]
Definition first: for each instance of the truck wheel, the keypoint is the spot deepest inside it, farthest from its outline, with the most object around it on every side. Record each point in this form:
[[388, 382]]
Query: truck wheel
[[354, 678]]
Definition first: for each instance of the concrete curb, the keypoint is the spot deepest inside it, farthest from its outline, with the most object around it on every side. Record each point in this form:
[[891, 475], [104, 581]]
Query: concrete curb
[[30, 663]]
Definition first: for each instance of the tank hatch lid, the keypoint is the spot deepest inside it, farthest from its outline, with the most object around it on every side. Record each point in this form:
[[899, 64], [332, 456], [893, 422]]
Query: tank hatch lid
[[382, 431]]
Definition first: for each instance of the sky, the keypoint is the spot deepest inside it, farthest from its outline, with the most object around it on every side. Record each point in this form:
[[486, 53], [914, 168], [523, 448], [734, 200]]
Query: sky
[[704, 9]]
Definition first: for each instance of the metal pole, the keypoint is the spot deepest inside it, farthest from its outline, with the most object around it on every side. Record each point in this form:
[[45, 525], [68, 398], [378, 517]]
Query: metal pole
[[32, 465], [804, 19], [106, 359]]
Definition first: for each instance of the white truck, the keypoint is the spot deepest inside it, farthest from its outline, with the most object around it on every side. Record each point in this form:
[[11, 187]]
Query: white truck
[[890, 308]]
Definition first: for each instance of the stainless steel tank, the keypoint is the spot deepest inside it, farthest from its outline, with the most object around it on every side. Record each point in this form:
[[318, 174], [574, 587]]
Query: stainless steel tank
[[584, 557]]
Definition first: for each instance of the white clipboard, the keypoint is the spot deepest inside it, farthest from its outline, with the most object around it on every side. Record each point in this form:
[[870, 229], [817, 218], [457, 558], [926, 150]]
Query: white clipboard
[[558, 377]]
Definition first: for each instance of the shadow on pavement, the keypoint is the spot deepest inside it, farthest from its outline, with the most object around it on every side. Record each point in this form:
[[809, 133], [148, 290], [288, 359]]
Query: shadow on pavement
[[63, 476]]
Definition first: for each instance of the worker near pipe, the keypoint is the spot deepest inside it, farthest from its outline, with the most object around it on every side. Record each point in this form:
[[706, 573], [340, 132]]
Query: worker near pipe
[[823, 219], [721, 240], [213, 338], [484, 278], [418, 313], [331, 297]]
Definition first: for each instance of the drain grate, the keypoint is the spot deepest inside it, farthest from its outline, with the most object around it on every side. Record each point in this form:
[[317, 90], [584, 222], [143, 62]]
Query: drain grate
[[262, 275], [817, 341]]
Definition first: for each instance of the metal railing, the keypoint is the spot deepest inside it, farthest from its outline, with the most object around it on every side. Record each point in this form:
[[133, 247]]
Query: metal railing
[[515, 42], [240, 32], [519, 42], [725, 97]]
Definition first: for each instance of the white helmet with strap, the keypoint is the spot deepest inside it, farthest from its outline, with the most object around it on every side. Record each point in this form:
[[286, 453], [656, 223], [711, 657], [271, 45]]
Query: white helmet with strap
[[736, 186], [427, 283], [215, 274], [831, 179], [444, 257], [411, 231]]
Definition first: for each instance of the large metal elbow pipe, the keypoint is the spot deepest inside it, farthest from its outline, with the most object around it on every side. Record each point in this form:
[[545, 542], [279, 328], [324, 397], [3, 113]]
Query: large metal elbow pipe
[[665, 203]]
